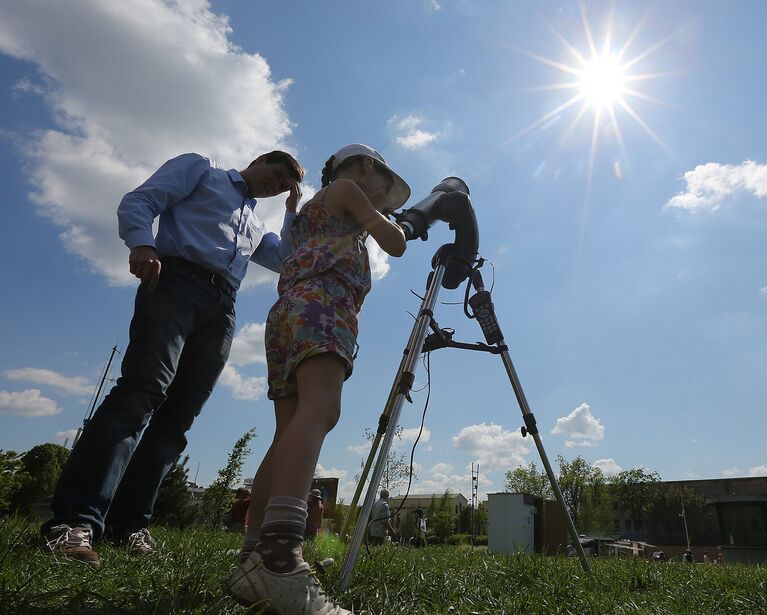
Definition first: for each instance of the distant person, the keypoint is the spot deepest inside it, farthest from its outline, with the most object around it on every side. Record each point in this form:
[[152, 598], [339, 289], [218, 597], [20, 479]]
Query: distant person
[[380, 520], [687, 557], [238, 513], [311, 340], [180, 337], [314, 512], [706, 559]]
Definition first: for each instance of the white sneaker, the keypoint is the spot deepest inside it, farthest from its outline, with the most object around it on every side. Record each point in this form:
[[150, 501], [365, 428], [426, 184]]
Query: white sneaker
[[75, 542], [140, 542], [293, 593]]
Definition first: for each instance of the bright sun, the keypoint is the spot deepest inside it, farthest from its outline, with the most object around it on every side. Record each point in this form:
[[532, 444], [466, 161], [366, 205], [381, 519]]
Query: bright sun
[[602, 81]]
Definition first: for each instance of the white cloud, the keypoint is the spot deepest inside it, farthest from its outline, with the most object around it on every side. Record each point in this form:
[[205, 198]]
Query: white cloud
[[363, 449], [492, 445], [441, 468], [243, 387], [379, 260], [709, 185], [583, 428], [65, 436], [433, 6], [410, 434], [130, 85], [758, 471], [345, 487], [27, 403], [68, 384], [409, 134], [443, 477], [731, 472], [608, 466], [763, 291], [248, 345]]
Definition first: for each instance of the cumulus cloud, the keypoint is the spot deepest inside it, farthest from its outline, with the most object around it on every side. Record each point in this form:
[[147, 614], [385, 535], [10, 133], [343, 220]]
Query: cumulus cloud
[[581, 427], [709, 185], [345, 487], [410, 434], [66, 384], [248, 345], [65, 436], [409, 134], [243, 387], [27, 403], [758, 471], [130, 85], [363, 449], [731, 472], [492, 445], [379, 260], [433, 6], [608, 466], [443, 477], [441, 468]]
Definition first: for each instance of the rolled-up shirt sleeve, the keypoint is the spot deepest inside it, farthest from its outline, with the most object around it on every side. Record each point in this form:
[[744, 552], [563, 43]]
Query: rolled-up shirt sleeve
[[273, 250], [171, 183]]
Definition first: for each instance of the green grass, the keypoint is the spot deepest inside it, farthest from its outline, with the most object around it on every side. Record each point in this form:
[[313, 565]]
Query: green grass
[[184, 577]]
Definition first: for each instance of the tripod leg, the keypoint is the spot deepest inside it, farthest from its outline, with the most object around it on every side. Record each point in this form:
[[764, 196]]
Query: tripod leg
[[383, 422], [400, 392], [532, 429]]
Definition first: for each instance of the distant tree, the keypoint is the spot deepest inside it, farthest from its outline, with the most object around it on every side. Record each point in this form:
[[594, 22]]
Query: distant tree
[[575, 477], [41, 467], [442, 518], [220, 496], [596, 513], [172, 507], [527, 479], [10, 478], [396, 469], [636, 491]]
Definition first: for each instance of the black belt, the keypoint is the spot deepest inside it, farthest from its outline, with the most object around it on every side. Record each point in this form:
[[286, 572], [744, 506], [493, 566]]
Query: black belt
[[216, 279]]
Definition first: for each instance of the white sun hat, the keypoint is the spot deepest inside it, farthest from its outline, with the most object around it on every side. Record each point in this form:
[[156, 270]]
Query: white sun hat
[[400, 191]]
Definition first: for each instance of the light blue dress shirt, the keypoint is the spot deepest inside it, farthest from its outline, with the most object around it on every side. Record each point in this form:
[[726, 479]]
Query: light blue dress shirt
[[205, 217]]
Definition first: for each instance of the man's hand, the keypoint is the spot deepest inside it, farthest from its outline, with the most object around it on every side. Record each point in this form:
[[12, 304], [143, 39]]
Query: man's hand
[[291, 203], [145, 265]]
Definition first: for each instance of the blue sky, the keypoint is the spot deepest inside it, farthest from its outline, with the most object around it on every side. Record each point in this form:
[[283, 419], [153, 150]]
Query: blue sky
[[629, 253]]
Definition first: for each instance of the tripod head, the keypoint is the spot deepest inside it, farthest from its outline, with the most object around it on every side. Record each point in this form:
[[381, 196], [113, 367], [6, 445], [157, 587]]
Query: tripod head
[[449, 202]]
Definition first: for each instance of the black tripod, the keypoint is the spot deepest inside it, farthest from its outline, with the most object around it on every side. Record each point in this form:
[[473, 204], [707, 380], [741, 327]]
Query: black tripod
[[451, 262]]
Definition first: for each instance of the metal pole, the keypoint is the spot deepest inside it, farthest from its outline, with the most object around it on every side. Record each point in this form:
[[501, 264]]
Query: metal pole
[[95, 399], [684, 517], [531, 429], [101, 384], [402, 383], [383, 423]]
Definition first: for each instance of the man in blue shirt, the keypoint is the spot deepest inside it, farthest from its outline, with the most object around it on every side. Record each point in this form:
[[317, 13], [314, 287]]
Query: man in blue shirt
[[180, 337]]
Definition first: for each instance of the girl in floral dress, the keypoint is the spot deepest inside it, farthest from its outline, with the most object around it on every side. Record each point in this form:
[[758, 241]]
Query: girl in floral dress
[[311, 335]]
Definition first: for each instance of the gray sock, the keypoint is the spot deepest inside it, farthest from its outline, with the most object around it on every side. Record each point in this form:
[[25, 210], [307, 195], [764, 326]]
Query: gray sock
[[282, 533]]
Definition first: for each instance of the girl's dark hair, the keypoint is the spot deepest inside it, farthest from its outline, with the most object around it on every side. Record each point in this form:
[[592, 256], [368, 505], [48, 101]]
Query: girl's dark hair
[[328, 174]]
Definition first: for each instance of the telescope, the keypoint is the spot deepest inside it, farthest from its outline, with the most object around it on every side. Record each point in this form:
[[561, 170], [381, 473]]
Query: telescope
[[448, 202]]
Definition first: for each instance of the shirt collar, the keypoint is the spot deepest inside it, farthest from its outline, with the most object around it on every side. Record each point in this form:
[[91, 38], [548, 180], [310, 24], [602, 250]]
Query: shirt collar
[[237, 179]]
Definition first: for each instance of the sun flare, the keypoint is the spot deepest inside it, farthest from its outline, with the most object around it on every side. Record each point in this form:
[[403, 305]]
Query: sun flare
[[602, 81]]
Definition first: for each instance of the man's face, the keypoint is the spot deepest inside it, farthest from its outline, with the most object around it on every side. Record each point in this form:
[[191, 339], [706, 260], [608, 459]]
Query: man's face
[[271, 179]]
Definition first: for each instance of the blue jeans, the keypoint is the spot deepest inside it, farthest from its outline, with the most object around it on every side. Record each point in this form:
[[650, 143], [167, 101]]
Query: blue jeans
[[180, 338]]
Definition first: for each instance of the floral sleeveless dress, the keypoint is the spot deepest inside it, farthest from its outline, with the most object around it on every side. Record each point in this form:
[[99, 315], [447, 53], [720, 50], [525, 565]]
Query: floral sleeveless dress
[[321, 290]]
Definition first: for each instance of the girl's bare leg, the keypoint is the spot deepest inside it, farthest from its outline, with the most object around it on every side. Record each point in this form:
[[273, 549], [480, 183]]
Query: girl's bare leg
[[293, 460], [319, 379], [284, 409]]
